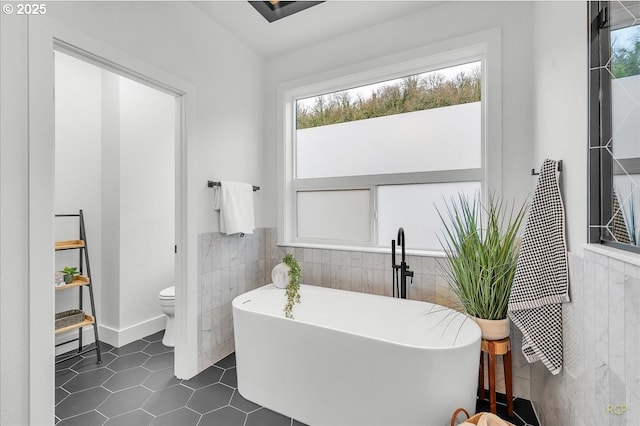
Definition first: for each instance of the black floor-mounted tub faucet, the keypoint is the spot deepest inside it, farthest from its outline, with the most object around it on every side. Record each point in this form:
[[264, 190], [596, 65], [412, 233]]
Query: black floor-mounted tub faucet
[[400, 271]]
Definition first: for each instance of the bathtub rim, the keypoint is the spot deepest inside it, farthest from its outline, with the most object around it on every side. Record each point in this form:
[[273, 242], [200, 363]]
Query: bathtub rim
[[237, 304]]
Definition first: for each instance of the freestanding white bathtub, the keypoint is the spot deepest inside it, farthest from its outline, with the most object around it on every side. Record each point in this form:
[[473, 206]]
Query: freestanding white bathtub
[[355, 359]]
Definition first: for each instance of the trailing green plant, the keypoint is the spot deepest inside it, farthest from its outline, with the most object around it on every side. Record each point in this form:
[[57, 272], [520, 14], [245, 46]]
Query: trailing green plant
[[481, 247], [293, 288]]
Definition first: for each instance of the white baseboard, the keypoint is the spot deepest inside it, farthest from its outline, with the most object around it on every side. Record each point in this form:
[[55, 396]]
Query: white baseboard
[[132, 333], [113, 336]]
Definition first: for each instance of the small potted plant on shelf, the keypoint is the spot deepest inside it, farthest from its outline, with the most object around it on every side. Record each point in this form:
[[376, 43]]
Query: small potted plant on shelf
[[69, 272], [481, 247]]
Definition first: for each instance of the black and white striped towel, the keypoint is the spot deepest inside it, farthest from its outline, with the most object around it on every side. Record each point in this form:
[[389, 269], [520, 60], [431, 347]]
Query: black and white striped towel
[[541, 280]]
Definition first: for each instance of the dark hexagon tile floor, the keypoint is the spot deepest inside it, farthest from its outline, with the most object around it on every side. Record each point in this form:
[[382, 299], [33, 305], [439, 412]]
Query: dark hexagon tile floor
[[134, 385]]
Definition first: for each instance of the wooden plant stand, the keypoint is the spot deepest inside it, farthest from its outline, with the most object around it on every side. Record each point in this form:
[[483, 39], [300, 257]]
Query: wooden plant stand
[[493, 348]]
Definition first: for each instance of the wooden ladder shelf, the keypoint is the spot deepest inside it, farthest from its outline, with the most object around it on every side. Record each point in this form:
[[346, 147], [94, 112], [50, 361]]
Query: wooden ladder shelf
[[81, 281]]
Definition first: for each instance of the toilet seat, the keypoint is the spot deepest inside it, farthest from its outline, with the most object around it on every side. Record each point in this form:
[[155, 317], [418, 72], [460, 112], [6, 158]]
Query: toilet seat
[[167, 298], [168, 293]]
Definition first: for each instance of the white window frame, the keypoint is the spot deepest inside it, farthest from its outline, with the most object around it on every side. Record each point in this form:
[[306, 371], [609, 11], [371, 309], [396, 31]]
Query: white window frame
[[484, 46]]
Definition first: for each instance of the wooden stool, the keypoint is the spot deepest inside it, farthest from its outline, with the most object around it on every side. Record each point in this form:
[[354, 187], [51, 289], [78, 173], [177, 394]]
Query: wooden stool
[[493, 348]]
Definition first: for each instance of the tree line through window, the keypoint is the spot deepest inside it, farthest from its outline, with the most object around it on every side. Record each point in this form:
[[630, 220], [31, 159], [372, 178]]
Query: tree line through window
[[453, 86]]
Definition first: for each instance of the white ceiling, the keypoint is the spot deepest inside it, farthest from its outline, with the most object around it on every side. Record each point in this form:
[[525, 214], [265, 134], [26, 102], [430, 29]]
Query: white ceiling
[[323, 21]]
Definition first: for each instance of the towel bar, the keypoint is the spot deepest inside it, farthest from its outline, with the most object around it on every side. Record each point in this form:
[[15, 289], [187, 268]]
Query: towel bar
[[211, 184]]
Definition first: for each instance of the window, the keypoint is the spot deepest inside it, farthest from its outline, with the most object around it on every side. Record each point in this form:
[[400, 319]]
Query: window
[[368, 152], [614, 151], [395, 126]]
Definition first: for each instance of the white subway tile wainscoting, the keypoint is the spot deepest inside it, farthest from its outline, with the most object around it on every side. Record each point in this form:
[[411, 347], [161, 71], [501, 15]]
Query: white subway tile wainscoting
[[600, 381]]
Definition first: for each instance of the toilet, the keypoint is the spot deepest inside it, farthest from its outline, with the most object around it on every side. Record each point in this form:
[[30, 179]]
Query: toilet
[[167, 302]]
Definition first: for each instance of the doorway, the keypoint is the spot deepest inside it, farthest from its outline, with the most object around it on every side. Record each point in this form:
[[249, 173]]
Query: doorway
[[115, 144], [45, 38]]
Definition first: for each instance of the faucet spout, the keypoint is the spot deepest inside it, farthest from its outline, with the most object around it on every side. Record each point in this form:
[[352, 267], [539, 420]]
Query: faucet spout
[[402, 268], [401, 240]]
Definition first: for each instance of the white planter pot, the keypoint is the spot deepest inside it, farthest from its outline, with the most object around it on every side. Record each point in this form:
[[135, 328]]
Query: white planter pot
[[280, 275], [494, 329]]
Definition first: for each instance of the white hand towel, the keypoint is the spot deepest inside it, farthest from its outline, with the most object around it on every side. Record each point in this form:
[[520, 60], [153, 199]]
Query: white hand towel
[[235, 202]]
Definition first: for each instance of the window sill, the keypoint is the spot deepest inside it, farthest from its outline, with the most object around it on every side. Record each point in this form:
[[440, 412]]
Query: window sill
[[614, 253], [384, 250]]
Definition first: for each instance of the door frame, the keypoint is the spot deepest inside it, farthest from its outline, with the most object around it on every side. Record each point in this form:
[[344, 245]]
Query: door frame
[[45, 36]]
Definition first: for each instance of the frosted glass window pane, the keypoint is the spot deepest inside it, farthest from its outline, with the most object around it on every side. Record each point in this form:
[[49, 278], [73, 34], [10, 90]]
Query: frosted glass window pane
[[625, 116], [447, 138], [413, 207], [335, 215]]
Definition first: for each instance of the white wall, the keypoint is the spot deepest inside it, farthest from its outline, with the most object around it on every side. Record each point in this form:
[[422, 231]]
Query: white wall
[[14, 209], [110, 190], [560, 99], [147, 217], [78, 134], [228, 78], [441, 22], [228, 81]]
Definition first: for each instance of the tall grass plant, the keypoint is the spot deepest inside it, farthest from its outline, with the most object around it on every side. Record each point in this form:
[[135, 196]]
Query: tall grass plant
[[481, 245]]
